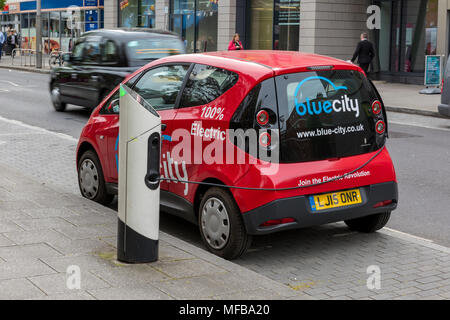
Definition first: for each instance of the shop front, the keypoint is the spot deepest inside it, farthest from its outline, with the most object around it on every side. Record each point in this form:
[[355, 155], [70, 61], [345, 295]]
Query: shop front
[[62, 22], [270, 25], [408, 33], [196, 22], [137, 13]]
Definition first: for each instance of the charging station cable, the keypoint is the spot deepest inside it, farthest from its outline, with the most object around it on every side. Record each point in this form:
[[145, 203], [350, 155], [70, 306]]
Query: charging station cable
[[278, 189]]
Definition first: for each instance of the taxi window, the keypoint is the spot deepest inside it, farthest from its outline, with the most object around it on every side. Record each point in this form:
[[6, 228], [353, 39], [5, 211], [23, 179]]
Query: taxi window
[[150, 49]]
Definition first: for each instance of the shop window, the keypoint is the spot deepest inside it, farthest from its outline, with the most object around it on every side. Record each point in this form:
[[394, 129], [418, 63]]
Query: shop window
[[195, 21], [137, 13]]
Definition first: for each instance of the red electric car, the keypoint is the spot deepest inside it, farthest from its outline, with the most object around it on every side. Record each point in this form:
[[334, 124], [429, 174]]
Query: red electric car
[[322, 121]]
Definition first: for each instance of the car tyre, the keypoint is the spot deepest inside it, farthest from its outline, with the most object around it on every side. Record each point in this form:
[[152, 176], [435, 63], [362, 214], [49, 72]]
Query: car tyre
[[370, 223], [220, 216], [56, 99], [91, 180]]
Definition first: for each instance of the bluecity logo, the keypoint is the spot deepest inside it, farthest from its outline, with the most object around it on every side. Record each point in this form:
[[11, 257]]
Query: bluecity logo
[[344, 104]]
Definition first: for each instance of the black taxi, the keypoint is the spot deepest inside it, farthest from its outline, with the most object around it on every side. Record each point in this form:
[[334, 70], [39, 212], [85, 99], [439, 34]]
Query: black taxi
[[101, 59]]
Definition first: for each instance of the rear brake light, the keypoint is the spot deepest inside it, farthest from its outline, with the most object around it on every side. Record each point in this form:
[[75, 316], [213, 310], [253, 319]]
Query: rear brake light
[[262, 117], [318, 68], [383, 204], [276, 222], [380, 127], [376, 107]]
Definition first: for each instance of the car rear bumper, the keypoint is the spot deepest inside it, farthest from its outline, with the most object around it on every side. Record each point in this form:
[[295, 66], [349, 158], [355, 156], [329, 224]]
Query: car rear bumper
[[444, 109], [299, 208]]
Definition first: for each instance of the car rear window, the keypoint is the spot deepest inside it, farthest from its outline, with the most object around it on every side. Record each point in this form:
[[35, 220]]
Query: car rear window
[[154, 48], [325, 114]]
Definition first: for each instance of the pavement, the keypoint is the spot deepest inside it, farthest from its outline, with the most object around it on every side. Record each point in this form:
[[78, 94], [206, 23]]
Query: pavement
[[46, 227], [405, 98]]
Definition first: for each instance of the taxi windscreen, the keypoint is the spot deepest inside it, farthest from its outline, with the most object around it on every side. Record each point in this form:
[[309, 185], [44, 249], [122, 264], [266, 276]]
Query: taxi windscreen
[[324, 115], [154, 48]]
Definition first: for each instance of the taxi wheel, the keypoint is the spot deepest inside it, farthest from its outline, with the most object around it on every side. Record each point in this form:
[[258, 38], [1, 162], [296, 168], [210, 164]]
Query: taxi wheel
[[91, 180], [221, 225], [370, 223], [56, 99]]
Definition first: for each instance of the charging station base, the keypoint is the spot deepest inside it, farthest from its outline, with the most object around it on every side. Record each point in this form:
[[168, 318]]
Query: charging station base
[[133, 247]]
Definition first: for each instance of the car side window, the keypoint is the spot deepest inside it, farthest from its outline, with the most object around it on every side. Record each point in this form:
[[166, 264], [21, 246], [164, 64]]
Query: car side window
[[160, 86], [91, 52], [77, 52], [110, 52], [206, 84], [112, 105]]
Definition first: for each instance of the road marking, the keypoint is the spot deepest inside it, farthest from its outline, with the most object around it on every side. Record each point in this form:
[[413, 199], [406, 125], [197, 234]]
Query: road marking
[[11, 83], [418, 125], [24, 125], [409, 235]]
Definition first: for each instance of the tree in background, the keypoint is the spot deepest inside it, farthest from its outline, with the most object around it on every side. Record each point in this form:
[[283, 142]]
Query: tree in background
[[2, 4]]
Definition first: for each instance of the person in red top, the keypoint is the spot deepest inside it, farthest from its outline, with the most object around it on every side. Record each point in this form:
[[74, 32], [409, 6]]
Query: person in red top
[[235, 44]]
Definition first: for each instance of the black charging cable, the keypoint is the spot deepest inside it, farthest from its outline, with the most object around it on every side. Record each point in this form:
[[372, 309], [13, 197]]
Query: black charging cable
[[279, 189]]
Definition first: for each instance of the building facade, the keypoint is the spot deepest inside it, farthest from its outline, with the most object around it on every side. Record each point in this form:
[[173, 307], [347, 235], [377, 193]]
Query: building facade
[[410, 29], [62, 21]]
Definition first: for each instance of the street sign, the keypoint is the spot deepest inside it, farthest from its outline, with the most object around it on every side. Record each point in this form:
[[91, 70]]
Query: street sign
[[433, 71]]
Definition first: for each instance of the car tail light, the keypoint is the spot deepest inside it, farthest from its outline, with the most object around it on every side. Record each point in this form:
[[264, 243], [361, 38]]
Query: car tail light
[[262, 117], [265, 139], [380, 127], [277, 222], [376, 107], [383, 204], [442, 86]]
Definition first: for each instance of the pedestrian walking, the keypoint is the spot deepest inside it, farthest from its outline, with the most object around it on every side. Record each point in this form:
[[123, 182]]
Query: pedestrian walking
[[364, 52], [235, 43], [12, 41], [2, 41]]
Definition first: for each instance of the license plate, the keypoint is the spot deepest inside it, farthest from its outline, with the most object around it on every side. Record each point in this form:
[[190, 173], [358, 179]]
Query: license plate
[[335, 199]]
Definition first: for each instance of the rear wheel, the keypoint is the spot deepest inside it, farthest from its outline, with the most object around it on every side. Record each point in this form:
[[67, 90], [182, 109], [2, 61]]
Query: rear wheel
[[91, 180], [56, 99], [370, 223], [221, 225]]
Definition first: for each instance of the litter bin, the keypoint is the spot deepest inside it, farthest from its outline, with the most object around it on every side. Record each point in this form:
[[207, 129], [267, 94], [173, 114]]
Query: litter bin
[[139, 172]]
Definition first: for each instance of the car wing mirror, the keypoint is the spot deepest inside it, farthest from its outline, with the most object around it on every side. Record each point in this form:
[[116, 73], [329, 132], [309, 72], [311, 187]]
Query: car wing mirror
[[114, 106]]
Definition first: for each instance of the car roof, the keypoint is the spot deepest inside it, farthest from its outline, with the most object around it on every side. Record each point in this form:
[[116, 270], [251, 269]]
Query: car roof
[[272, 62], [129, 33]]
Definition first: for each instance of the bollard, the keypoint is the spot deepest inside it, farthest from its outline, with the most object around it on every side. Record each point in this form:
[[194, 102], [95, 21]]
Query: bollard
[[139, 172]]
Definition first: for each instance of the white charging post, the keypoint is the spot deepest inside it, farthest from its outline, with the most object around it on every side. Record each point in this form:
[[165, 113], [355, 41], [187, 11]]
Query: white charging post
[[139, 172]]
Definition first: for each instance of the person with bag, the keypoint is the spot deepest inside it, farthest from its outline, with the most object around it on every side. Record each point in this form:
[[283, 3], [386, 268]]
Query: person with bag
[[235, 43]]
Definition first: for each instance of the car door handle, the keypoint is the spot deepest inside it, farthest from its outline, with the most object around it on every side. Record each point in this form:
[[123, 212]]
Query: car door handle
[[95, 78], [74, 76], [163, 127]]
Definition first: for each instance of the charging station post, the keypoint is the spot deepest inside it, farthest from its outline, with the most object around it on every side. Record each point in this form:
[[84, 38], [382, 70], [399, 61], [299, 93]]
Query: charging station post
[[139, 172]]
